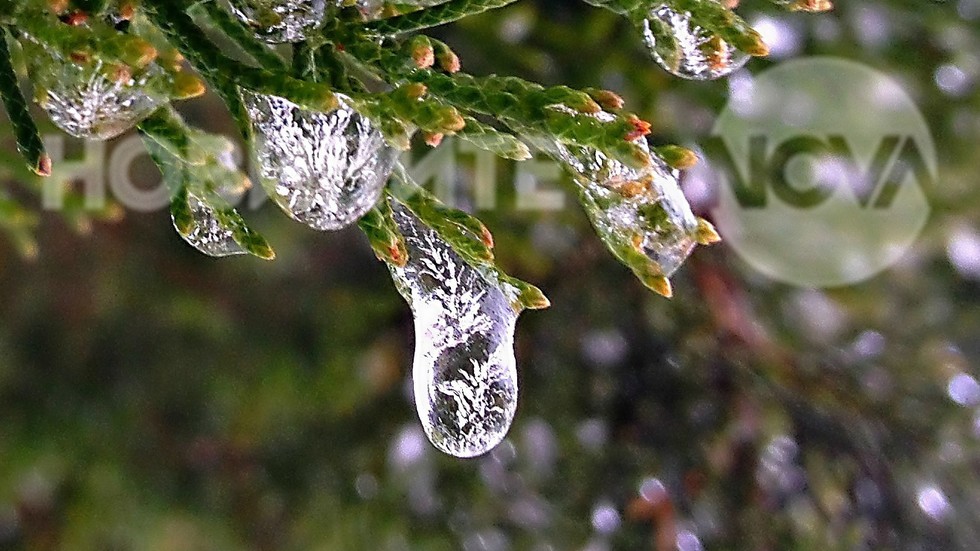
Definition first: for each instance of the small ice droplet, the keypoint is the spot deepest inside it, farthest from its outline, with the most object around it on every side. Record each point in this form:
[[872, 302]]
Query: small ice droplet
[[642, 208], [686, 50], [324, 169], [278, 21], [85, 102], [465, 373], [207, 234]]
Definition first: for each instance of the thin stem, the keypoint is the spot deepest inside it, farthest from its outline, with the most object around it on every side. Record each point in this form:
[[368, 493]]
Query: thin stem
[[29, 141]]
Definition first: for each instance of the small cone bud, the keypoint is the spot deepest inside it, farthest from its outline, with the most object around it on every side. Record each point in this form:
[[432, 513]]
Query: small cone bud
[[640, 158], [141, 53], [58, 6], [660, 285], [639, 128], [756, 47], [433, 139], [677, 157], [424, 56], [534, 299], [449, 62], [415, 90], [80, 56], [451, 121], [127, 10], [486, 237], [609, 100], [587, 106], [120, 73], [813, 6], [75, 18], [43, 167], [706, 233], [187, 86], [633, 188]]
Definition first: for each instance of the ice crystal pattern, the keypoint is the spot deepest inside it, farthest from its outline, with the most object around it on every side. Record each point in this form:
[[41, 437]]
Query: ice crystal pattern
[[641, 208], [278, 21], [325, 170], [686, 50], [465, 373], [207, 234], [84, 102]]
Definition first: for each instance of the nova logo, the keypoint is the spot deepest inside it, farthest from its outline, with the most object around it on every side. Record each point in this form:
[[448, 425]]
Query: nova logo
[[819, 170], [873, 186]]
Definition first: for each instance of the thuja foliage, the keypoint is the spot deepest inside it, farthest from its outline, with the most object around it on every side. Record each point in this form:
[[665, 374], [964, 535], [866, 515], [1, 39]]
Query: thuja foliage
[[101, 67]]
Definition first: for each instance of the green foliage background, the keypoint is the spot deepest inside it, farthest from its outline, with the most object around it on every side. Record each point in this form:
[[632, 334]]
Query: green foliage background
[[152, 398]]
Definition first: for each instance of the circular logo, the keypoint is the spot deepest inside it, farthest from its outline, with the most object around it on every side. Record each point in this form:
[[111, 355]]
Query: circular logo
[[820, 167]]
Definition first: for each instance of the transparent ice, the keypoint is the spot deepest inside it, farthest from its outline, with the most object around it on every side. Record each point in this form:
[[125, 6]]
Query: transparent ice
[[324, 169], [83, 101], [278, 21], [207, 234], [465, 373], [643, 208], [686, 50]]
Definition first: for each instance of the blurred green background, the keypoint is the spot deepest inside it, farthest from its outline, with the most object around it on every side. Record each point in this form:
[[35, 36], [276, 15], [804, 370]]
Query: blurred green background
[[155, 399]]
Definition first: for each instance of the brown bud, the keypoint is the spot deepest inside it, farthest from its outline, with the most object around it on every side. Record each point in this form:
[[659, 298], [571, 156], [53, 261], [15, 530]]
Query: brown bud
[[608, 100], [80, 57], [120, 74], [127, 10], [58, 6], [633, 188], [43, 167]]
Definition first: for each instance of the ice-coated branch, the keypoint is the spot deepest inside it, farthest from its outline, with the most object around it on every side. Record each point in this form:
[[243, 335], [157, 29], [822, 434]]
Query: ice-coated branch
[[453, 10]]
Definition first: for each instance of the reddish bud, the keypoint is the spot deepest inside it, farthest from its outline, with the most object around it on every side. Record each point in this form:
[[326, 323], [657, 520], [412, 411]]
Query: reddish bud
[[639, 127], [75, 18], [449, 62], [424, 56], [433, 139]]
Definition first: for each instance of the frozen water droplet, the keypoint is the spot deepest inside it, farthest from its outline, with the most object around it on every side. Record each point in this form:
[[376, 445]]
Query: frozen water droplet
[[686, 50], [207, 234], [278, 21], [324, 169], [465, 373], [87, 100], [633, 208]]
